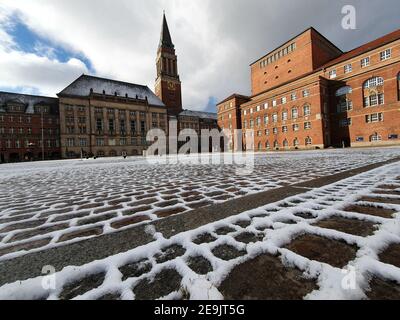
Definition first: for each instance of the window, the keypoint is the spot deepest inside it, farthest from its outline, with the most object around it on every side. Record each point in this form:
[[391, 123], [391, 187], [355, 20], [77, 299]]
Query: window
[[258, 108], [373, 82], [284, 129], [100, 142], [283, 100], [142, 127], [343, 101], [251, 123], [245, 124], [284, 115], [285, 143], [275, 130], [82, 142], [307, 125], [307, 110], [258, 121], [308, 141], [365, 62], [70, 142], [266, 119], [244, 112], [275, 117], [375, 137], [332, 74], [348, 68], [306, 93], [259, 133], [345, 122], [266, 106], [133, 127], [393, 136], [375, 117], [373, 92], [293, 96], [276, 144], [112, 142], [274, 104], [296, 142], [122, 142], [267, 132], [99, 125], [295, 113], [385, 55], [251, 110], [398, 86], [267, 145], [296, 127], [111, 125]]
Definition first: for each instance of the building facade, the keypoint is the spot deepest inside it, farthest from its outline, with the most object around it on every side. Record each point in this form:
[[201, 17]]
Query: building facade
[[308, 94], [29, 128], [102, 117]]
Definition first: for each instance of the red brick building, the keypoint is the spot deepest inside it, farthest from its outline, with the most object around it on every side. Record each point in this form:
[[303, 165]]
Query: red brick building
[[309, 94], [29, 128]]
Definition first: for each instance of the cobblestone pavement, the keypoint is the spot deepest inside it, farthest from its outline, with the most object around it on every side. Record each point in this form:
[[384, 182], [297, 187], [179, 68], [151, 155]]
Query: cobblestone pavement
[[43, 205], [341, 241]]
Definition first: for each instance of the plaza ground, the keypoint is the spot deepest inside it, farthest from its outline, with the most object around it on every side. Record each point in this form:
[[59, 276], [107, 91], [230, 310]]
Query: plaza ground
[[118, 229]]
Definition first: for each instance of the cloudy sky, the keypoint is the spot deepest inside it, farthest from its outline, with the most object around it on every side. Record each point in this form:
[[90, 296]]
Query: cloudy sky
[[46, 44]]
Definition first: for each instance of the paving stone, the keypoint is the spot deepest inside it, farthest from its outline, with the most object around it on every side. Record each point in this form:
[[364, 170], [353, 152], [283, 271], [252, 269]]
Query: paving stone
[[199, 264], [381, 200], [71, 216], [129, 221], [41, 231], [200, 204], [224, 231], [146, 196], [95, 231], [305, 215], [388, 187], [143, 202], [135, 269], [54, 212], [248, 237], [169, 212], [164, 283], [204, 238], [119, 201], [165, 204], [170, 253], [110, 297], [136, 210], [336, 253], [25, 246], [373, 211], [108, 209], [95, 219], [90, 206], [16, 219], [23, 225], [227, 252], [350, 226], [223, 197], [380, 289], [81, 286], [273, 281], [391, 255]]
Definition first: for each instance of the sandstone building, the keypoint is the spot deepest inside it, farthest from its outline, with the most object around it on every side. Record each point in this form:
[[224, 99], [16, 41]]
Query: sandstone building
[[96, 116], [307, 93]]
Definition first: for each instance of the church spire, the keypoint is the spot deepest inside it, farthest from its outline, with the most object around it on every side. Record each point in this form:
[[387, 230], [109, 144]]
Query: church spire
[[165, 39]]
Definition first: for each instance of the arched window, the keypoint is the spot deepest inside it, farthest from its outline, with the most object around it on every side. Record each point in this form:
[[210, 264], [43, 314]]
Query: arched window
[[285, 143], [343, 99], [259, 146], [373, 92], [375, 137], [307, 110], [276, 144], [308, 141], [267, 145], [295, 113], [296, 142]]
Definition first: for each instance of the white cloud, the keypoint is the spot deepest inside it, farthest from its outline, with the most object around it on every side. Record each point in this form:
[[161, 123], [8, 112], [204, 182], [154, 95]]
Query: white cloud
[[215, 40]]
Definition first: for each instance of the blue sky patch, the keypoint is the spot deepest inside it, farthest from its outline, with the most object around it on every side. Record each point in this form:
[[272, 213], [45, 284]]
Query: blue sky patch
[[30, 42]]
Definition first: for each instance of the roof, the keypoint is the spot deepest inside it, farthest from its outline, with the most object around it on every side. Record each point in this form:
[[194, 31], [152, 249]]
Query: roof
[[290, 40], [393, 36], [199, 114], [28, 100], [235, 95], [165, 38], [82, 86]]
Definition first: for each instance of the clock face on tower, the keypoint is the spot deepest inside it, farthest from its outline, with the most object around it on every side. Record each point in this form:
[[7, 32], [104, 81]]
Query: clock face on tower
[[171, 86]]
